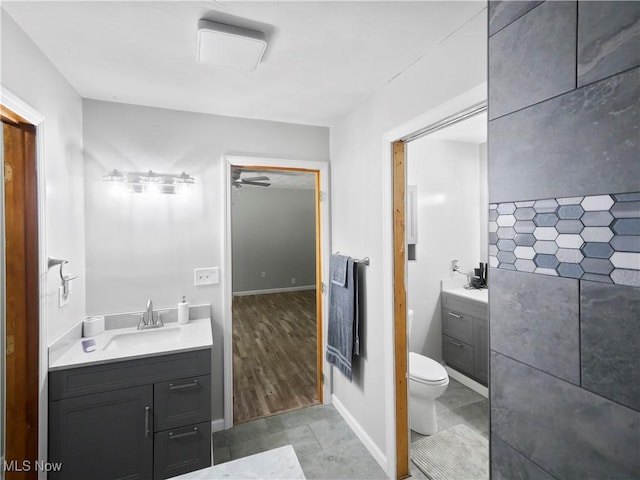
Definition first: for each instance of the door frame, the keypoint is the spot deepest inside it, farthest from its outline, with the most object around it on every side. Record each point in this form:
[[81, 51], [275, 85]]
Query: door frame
[[18, 106], [398, 433], [323, 251]]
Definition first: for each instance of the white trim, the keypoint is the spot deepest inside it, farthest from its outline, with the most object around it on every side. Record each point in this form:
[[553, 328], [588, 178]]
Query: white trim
[[227, 294], [471, 97], [26, 111], [468, 382], [366, 440], [274, 290], [217, 425]]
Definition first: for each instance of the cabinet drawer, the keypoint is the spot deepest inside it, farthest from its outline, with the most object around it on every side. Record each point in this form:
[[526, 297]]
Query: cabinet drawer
[[457, 354], [78, 381], [182, 450], [182, 402], [457, 325]]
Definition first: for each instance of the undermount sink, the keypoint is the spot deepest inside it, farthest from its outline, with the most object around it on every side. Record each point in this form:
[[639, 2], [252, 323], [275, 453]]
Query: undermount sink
[[143, 338]]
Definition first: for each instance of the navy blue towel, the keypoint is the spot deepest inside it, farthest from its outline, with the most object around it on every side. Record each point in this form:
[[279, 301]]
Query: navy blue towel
[[343, 341]]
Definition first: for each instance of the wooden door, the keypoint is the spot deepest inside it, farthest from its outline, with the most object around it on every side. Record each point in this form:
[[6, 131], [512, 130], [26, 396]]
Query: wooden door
[[22, 333]]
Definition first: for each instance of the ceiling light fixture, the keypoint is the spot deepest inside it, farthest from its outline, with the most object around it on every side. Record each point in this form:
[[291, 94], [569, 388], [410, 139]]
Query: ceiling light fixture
[[228, 46]]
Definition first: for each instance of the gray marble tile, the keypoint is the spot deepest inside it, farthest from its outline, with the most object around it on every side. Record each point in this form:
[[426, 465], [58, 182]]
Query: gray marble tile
[[582, 143], [332, 432], [301, 438], [474, 415], [457, 395], [509, 464], [240, 433], [221, 455], [534, 319], [303, 416], [569, 432], [502, 13], [347, 461], [610, 340], [608, 39], [533, 59]]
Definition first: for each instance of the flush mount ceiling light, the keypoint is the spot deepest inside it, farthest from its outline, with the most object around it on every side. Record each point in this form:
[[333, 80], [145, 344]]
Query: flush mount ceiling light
[[228, 46]]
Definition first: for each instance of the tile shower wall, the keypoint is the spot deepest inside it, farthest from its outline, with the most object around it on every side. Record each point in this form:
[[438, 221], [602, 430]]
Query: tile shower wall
[[564, 234]]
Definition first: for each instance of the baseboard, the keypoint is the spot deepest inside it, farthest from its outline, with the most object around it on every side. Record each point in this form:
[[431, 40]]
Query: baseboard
[[468, 382], [274, 290], [217, 425], [370, 445]]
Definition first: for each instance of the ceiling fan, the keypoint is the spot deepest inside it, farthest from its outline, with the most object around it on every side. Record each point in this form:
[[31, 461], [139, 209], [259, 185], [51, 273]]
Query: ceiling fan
[[238, 182]]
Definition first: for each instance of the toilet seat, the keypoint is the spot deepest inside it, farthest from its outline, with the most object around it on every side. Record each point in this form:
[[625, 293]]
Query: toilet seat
[[426, 370]]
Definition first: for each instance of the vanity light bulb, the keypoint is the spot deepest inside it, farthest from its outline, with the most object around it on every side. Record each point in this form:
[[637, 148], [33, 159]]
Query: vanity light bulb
[[153, 189], [117, 189]]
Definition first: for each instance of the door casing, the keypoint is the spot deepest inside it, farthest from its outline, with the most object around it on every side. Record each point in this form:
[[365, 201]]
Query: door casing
[[15, 104], [321, 170]]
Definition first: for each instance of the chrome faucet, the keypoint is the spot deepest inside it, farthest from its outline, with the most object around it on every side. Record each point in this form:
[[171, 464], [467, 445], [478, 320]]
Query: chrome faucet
[[148, 319]]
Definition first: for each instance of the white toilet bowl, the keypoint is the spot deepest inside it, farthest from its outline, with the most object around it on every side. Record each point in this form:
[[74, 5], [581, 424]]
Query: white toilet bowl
[[427, 381]]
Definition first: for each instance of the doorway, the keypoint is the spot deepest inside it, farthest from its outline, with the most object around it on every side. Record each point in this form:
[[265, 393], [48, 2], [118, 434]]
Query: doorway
[[275, 323], [320, 173], [21, 335], [394, 154]]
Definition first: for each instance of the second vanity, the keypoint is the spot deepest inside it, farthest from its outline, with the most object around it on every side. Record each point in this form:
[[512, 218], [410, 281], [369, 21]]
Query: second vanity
[[465, 332], [132, 404]]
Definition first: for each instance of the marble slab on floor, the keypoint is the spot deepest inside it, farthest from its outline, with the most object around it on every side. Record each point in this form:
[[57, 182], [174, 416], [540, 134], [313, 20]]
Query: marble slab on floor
[[279, 463]]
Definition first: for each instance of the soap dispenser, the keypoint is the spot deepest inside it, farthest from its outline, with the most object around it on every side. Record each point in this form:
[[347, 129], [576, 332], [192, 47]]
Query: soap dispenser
[[183, 311]]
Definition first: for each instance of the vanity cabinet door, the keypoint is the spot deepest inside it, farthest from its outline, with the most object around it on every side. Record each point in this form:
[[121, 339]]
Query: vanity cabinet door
[[182, 402], [481, 350], [104, 435]]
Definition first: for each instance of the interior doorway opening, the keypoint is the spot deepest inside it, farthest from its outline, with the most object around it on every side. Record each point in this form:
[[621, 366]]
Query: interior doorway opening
[[320, 174], [274, 283], [466, 106]]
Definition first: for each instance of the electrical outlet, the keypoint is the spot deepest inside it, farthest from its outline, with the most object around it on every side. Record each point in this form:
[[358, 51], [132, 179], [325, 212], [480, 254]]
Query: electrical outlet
[[293, 281], [206, 276], [63, 299], [264, 274]]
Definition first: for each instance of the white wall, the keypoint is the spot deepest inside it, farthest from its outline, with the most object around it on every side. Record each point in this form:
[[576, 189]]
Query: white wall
[[273, 231], [140, 247], [358, 220], [28, 74], [447, 176]]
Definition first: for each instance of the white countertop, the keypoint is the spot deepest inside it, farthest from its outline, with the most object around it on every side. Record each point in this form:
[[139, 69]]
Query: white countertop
[[277, 464], [481, 295], [131, 343]]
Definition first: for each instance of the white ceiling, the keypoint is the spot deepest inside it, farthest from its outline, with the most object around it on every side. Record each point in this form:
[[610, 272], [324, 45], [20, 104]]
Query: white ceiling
[[323, 58]]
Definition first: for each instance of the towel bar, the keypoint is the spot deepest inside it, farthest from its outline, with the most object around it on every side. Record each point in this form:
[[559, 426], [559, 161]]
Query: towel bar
[[364, 261]]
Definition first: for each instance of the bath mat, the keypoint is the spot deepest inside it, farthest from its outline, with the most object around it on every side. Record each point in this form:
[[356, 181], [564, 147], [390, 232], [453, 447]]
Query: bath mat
[[457, 453]]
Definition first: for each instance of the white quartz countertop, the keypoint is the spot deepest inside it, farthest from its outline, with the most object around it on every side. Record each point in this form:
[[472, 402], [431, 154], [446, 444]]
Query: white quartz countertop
[[481, 295], [131, 343]]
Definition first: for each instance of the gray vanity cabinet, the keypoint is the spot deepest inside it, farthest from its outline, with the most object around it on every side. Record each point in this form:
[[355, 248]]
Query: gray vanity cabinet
[[132, 419], [465, 339], [87, 433]]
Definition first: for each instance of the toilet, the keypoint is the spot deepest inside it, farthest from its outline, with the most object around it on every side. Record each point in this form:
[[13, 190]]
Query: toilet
[[427, 381]]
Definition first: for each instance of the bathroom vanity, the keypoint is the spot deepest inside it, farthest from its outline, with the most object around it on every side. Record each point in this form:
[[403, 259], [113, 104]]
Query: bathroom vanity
[[128, 413], [465, 332]]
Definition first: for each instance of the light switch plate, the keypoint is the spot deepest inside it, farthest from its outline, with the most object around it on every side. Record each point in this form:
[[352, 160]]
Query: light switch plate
[[206, 276]]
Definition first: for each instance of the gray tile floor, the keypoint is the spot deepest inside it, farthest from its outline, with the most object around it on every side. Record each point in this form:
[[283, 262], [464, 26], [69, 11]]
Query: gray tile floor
[[325, 445], [458, 405]]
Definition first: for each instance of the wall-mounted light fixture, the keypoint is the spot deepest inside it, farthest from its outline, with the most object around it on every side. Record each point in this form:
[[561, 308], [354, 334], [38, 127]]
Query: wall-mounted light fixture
[[149, 182]]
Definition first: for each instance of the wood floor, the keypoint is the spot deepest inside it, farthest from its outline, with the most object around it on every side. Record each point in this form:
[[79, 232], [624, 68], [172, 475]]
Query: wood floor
[[274, 354]]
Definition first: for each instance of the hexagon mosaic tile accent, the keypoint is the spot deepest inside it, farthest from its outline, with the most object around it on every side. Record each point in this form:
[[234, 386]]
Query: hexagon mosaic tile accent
[[593, 238]]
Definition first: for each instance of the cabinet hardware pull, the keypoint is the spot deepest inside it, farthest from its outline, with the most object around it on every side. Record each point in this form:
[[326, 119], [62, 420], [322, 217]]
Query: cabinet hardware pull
[[183, 386], [147, 410], [451, 314], [459, 345], [173, 436]]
